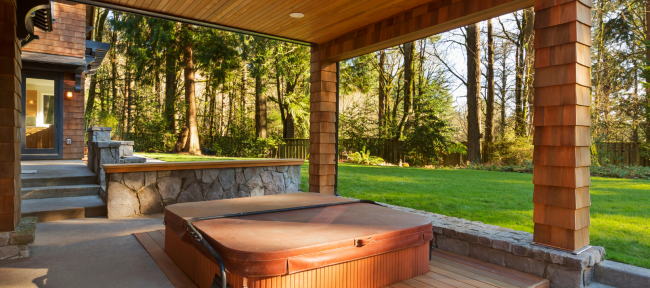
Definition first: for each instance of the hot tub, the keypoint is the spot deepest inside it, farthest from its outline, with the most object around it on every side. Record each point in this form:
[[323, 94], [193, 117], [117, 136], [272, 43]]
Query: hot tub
[[297, 240]]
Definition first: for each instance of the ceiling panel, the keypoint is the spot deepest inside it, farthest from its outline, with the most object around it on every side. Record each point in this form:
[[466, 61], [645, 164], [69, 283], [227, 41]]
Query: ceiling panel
[[324, 19]]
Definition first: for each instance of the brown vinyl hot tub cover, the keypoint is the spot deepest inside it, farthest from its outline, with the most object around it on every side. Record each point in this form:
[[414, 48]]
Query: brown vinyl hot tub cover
[[286, 242]]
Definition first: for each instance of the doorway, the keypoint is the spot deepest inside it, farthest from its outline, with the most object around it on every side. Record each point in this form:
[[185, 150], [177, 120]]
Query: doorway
[[41, 116]]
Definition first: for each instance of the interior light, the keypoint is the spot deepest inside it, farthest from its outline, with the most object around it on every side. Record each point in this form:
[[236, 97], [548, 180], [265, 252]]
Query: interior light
[[297, 15], [68, 94], [31, 101]]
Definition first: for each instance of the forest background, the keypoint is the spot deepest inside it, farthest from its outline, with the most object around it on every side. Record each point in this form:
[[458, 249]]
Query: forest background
[[243, 96]]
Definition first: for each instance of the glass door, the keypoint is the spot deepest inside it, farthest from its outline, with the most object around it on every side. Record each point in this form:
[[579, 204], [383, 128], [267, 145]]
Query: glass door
[[41, 116]]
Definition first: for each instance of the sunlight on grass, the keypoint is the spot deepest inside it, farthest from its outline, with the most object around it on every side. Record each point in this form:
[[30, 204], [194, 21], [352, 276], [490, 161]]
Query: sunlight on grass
[[620, 214], [620, 211]]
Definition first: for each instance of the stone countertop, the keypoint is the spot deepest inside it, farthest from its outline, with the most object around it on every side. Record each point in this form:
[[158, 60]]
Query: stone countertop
[[168, 166]]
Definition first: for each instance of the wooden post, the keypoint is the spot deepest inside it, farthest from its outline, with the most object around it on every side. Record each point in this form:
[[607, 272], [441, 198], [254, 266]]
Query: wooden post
[[562, 121], [10, 95], [322, 136]]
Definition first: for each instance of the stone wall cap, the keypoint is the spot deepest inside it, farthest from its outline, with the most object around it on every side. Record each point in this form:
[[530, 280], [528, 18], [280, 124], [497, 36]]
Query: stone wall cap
[[127, 143], [168, 166], [95, 128]]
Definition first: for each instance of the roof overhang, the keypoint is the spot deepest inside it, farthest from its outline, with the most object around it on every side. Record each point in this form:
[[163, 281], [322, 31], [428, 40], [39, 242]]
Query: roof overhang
[[340, 29]]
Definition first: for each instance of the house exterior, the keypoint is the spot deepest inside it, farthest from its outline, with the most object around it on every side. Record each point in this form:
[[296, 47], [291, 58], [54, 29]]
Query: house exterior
[[336, 31], [54, 67]]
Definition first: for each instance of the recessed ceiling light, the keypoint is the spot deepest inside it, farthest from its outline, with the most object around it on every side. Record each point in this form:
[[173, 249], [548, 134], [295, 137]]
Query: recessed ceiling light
[[297, 15]]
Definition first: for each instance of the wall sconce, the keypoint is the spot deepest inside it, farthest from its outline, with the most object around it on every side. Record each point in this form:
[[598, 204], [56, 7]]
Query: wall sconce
[[31, 101], [68, 94]]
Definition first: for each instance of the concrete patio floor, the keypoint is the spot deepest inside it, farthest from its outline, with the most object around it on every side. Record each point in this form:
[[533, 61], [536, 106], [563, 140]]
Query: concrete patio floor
[[89, 252], [55, 169]]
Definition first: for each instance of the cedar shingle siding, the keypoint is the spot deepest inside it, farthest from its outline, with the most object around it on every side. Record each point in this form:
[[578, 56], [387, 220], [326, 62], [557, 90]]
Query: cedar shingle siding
[[68, 37]]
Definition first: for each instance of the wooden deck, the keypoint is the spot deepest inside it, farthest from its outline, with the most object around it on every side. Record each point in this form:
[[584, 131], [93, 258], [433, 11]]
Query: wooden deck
[[446, 270]]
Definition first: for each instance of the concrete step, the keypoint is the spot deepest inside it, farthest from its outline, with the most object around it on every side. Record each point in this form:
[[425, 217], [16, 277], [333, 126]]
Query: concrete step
[[55, 209], [598, 285], [58, 181], [621, 275], [59, 191]]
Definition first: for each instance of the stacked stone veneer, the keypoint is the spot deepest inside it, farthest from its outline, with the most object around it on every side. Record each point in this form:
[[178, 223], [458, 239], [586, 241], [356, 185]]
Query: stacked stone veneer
[[143, 193], [15, 244], [512, 249]]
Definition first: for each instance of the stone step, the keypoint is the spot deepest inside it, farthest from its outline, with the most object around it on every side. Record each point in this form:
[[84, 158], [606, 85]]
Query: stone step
[[56, 209], [621, 275], [59, 191], [58, 181]]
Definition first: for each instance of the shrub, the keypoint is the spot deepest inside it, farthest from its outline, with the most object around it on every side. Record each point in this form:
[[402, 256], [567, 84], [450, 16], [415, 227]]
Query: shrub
[[363, 157]]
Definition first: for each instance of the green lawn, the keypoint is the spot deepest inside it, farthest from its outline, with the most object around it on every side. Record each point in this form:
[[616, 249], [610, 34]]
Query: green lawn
[[620, 211]]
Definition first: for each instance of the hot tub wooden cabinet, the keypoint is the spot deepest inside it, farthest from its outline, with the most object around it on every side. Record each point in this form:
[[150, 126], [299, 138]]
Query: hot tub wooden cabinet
[[297, 240]]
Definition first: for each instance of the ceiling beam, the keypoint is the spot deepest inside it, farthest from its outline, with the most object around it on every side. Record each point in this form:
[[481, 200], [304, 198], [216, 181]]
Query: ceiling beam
[[185, 20], [420, 22]]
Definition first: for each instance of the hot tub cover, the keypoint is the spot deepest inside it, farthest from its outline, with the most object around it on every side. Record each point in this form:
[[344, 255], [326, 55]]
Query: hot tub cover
[[286, 242]]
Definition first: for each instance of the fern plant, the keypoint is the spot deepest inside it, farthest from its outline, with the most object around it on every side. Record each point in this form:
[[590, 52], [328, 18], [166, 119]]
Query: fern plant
[[363, 157]]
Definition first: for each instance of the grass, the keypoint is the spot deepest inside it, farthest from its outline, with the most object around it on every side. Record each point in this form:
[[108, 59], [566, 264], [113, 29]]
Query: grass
[[620, 210]]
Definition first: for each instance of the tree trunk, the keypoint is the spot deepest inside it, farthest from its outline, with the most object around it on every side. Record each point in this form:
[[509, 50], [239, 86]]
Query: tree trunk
[[503, 90], [409, 50], [170, 89], [382, 94], [529, 37], [519, 91], [489, 110], [129, 112], [125, 109], [473, 93], [289, 123], [244, 85], [90, 102], [260, 108], [192, 146], [647, 73], [114, 69]]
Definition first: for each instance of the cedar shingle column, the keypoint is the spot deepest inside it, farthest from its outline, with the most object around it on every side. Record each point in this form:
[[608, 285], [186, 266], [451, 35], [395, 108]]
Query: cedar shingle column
[[10, 81], [322, 136], [562, 120]]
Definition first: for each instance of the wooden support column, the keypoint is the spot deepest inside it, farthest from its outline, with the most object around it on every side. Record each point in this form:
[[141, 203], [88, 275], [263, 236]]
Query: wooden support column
[[10, 87], [322, 136], [562, 120]]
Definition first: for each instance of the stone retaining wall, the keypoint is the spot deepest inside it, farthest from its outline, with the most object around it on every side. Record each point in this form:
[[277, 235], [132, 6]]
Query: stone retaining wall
[[510, 248], [143, 193]]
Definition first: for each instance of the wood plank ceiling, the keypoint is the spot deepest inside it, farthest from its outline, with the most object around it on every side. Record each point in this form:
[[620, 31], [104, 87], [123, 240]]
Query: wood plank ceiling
[[324, 19]]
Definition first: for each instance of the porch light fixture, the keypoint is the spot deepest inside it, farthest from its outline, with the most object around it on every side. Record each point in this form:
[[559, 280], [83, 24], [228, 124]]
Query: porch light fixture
[[297, 15], [31, 101], [68, 94]]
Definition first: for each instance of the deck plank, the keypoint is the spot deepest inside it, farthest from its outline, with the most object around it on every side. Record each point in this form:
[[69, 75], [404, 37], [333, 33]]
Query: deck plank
[[433, 282], [447, 280], [166, 264], [159, 238], [510, 273], [416, 284], [461, 278], [481, 275]]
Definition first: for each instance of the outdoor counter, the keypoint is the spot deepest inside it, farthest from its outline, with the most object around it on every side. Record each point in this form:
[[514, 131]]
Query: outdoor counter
[[146, 188], [325, 241]]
